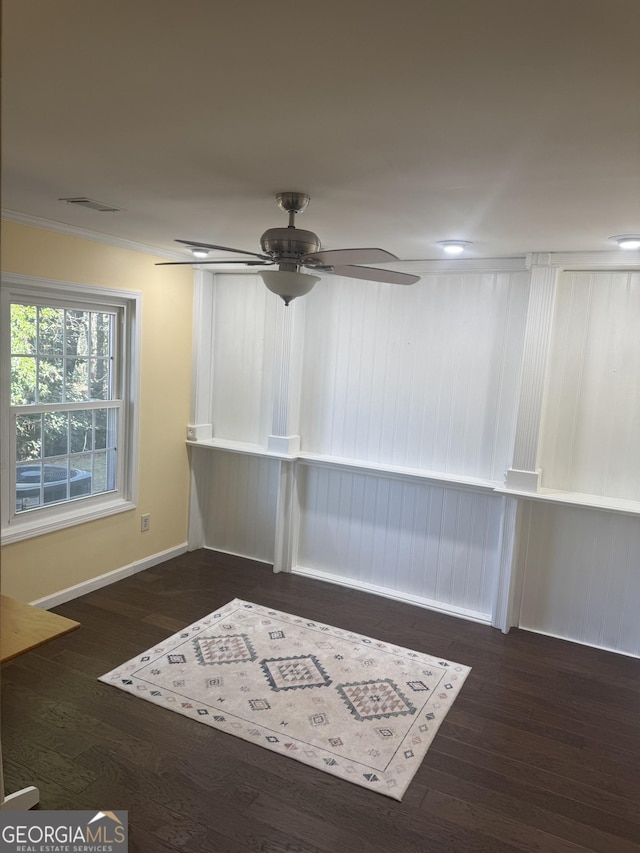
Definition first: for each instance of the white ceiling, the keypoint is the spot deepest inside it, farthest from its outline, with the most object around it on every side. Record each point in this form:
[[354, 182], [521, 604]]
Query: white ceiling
[[511, 123]]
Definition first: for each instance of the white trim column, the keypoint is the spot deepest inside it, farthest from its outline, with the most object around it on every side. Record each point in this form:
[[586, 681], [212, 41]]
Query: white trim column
[[287, 374], [523, 476], [285, 550], [285, 436], [200, 425], [504, 614]]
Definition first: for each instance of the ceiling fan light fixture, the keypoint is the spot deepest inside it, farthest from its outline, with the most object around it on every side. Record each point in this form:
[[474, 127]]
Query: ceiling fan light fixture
[[454, 247], [199, 252], [627, 241], [288, 284]]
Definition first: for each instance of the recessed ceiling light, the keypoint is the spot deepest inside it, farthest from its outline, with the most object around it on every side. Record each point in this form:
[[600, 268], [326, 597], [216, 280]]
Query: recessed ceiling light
[[627, 241], [199, 252], [454, 247]]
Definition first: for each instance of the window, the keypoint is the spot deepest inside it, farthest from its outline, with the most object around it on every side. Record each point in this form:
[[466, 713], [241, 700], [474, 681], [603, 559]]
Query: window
[[69, 361]]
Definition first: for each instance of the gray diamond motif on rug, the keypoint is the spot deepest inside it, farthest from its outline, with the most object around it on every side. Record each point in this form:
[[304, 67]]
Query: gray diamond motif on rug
[[375, 700], [294, 673], [231, 648]]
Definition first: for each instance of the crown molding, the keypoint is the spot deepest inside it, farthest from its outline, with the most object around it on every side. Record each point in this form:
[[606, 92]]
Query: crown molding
[[615, 259], [459, 265], [87, 234]]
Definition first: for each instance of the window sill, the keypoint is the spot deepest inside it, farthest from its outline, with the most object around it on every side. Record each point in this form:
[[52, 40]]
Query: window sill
[[70, 515]]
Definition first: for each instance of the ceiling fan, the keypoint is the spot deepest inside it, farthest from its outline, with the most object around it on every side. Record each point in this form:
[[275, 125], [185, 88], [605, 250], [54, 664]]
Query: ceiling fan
[[291, 249]]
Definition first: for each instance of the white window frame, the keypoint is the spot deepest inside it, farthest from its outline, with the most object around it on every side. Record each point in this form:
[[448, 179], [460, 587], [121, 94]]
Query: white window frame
[[127, 304]]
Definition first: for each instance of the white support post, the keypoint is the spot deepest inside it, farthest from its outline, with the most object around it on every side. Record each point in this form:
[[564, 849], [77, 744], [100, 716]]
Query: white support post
[[199, 463], [285, 437], [200, 425], [200, 421], [523, 474], [287, 519], [504, 616]]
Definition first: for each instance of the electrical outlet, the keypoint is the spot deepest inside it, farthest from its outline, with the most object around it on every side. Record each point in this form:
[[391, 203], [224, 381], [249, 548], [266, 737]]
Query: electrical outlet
[[145, 522]]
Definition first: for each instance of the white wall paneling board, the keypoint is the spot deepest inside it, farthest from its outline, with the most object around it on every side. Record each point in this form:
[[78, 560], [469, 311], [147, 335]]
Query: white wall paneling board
[[424, 377], [241, 504], [243, 340], [589, 440], [581, 577], [437, 544]]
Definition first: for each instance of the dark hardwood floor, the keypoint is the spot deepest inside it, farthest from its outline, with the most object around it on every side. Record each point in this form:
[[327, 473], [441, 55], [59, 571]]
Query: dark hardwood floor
[[540, 752]]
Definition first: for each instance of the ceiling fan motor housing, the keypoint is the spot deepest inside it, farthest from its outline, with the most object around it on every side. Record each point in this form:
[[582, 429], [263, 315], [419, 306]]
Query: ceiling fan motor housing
[[289, 242]]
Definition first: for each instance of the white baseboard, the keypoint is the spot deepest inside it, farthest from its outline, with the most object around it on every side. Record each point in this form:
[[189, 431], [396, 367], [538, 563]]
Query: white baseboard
[[579, 642], [238, 554], [98, 582], [405, 597]]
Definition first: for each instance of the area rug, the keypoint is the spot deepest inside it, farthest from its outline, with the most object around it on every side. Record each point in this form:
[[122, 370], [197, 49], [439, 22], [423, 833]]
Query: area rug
[[349, 705]]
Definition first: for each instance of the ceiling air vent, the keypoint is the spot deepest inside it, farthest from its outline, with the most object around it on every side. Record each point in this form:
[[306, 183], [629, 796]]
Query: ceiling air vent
[[82, 201]]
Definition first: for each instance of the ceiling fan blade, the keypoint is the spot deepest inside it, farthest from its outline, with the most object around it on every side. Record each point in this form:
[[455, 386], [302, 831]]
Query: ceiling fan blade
[[373, 274], [331, 257], [221, 249], [226, 263]]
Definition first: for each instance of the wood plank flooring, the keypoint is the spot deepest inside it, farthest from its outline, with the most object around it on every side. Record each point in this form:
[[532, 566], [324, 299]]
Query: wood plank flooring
[[540, 752]]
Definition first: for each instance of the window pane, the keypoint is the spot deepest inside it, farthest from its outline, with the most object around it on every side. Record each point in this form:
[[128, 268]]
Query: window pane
[[100, 338], [100, 379], [56, 433], [23, 381], [104, 472], [81, 476], [28, 492], [23, 329], [76, 379], [77, 329], [50, 380], [28, 437], [80, 432], [101, 429], [50, 331], [56, 480]]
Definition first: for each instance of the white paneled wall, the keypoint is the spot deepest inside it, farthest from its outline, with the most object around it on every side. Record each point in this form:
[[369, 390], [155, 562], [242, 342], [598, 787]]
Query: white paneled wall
[[243, 342], [592, 410], [363, 437], [433, 543], [581, 575], [422, 377], [241, 505]]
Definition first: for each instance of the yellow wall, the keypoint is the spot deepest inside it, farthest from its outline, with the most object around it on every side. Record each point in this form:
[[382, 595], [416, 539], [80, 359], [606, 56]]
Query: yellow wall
[[46, 564]]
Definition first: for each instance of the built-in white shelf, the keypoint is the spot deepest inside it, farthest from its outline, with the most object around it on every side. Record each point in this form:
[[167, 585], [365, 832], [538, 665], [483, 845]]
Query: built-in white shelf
[[243, 447], [556, 496], [599, 502], [400, 472], [353, 465]]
